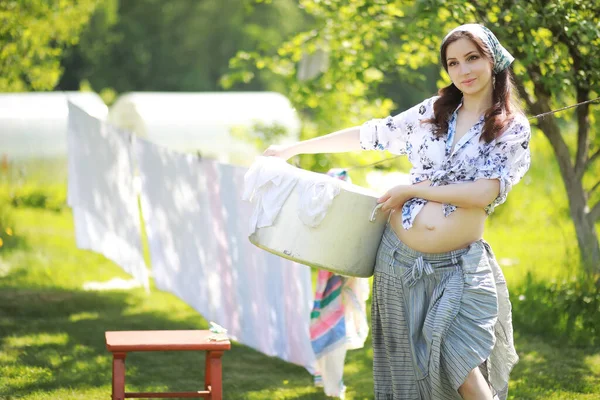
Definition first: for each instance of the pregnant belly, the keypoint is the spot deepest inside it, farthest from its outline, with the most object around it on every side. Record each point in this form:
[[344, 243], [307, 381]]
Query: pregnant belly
[[432, 232]]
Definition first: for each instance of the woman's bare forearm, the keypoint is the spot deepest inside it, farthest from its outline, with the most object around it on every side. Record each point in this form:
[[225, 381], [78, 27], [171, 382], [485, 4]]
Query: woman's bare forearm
[[476, 194], [337, 142]]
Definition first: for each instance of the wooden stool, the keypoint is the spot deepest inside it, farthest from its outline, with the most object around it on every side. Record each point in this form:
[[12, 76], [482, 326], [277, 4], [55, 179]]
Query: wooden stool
[[122, 342]]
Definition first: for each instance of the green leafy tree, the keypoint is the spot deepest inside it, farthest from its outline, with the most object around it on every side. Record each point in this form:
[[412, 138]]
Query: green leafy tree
[[176, 45], [369, 42], [33, 36], [361, 77], [89, 56], [557, 46]]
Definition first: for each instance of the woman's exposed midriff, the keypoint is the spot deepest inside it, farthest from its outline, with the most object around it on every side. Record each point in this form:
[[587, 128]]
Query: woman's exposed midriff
[[432, 232]]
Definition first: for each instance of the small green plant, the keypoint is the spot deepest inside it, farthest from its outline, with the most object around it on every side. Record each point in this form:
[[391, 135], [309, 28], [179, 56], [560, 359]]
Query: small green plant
[[563, 309], [47, 197], [7, 227]]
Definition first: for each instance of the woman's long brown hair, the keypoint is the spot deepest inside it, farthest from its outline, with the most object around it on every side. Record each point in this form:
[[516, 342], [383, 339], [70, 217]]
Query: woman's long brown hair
[[504, 101]]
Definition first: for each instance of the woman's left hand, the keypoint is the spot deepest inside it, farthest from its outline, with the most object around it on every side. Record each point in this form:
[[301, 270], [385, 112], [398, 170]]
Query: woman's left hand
[[395, 198]]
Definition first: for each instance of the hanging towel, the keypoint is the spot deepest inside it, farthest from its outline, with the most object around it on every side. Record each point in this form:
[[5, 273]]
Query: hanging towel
[[338, 321], [101, 192], [197, 227]]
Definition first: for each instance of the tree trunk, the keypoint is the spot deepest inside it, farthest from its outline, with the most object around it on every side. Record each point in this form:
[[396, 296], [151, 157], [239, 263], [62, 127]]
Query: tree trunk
[[571, 172], [587, 237]]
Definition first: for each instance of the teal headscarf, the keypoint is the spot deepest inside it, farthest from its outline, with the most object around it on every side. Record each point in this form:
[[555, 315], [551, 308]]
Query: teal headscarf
[[502, 58]]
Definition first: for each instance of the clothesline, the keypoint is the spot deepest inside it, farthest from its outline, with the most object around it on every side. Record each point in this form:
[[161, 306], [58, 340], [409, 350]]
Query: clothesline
[[196, 222], [542, 115]]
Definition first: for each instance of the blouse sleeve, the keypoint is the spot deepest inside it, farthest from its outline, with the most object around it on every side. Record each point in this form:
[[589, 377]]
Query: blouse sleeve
[[509, 159], [391, 133]]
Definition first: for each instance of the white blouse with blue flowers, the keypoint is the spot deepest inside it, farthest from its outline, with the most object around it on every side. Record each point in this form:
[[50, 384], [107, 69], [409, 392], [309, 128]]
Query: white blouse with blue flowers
[[506, 158]]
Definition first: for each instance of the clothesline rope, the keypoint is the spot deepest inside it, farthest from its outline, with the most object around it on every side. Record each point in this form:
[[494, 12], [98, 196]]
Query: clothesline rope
[[542, 115]]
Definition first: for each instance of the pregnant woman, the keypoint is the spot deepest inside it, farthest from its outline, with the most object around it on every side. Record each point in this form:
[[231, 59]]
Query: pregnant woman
[[441, 317]]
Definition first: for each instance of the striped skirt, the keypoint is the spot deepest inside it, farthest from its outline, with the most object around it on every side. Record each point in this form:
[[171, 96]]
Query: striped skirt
[[436, 317]]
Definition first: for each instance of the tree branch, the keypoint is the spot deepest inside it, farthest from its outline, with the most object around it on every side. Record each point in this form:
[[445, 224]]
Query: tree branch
[[593, 189], [583, 132], [550, 128], [594, 214], [582, 90], [523, 93], [591, 160]]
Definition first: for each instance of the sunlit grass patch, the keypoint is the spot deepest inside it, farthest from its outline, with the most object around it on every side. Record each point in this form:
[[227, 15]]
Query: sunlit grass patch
[[42, 339], [52, 330]]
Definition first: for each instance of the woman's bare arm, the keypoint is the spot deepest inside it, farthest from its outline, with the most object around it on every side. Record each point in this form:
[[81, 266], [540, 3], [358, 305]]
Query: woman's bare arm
[[337, 142], [477, 194]]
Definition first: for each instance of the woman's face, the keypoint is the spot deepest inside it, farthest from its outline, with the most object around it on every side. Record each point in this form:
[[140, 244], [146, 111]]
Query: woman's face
[[470, 71]]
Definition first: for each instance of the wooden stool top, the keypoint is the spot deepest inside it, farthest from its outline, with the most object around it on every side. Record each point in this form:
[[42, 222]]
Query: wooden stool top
[[125, 341]]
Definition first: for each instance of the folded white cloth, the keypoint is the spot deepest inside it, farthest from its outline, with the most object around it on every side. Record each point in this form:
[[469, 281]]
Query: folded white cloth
[[270, 181], [267, 184], [316, 196]]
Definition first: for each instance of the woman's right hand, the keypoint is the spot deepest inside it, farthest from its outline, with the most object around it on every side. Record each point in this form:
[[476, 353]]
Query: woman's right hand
[[277, 150]]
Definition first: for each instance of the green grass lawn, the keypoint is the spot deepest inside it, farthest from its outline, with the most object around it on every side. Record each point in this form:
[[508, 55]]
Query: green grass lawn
[[52, 335], [52, 331]]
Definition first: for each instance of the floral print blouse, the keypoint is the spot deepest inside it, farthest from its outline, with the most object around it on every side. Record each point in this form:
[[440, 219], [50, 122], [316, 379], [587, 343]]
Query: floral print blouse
[[506, 158]]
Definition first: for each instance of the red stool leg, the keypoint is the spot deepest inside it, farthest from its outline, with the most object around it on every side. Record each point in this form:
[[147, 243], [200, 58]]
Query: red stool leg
[[118, 376], [216, 392], [207, 371]]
